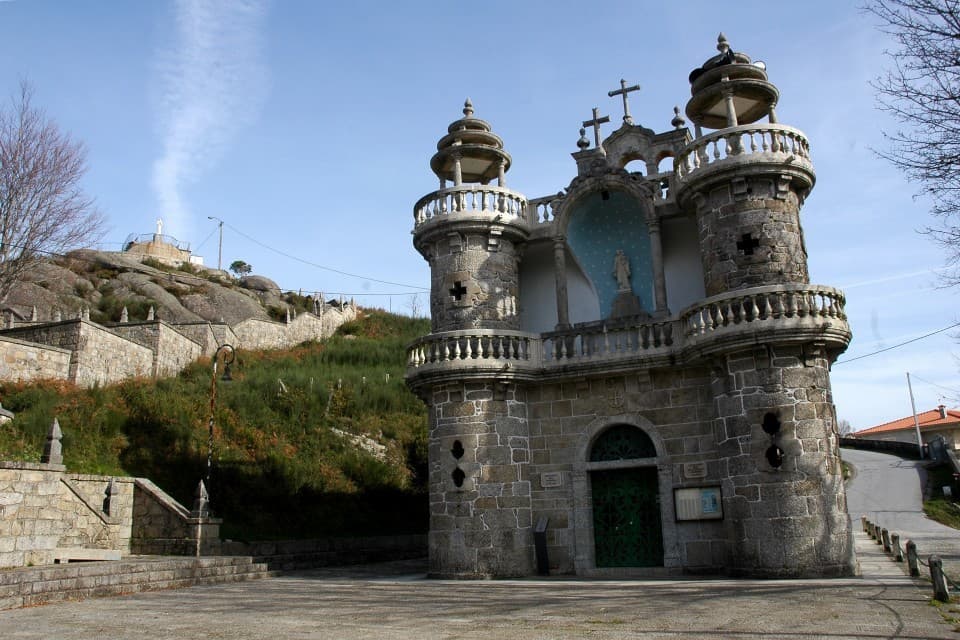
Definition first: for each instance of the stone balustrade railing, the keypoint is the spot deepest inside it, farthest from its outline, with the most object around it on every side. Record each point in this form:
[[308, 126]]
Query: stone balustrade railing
[[541, 210], [598, 343], [482, 347], [779, 306], [786, 311], [470, 199], [776, 142]]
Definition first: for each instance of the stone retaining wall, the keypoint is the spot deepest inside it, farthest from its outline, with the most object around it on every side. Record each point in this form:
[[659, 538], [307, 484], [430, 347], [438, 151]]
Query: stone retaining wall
[[24, 361], [87, 354], [46, 514], [172, 350]]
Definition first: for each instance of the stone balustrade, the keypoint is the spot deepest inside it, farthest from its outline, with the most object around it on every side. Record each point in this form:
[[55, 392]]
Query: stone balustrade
[[470, 199], [778, 313], [541, 210], [758, 142], [779, 307], [602, 343], [482, 347]]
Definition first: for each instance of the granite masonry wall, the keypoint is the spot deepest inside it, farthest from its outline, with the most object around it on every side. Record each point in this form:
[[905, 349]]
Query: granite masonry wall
[[48, 515], [675, 409], [172, 350], [23, 361], [87, 354]]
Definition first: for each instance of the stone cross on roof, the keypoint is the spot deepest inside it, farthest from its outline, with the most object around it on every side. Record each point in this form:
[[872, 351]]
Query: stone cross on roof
[[595, 123], [623, 91]]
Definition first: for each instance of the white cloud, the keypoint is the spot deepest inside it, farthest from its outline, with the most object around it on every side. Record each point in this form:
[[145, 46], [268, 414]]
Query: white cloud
[[212, 84]]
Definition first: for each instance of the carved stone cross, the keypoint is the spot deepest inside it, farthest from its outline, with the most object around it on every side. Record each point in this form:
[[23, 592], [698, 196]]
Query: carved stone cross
[[623, 91], [595, 123]]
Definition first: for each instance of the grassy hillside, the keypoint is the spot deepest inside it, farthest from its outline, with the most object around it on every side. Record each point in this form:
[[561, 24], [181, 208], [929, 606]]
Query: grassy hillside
[[280, 468]]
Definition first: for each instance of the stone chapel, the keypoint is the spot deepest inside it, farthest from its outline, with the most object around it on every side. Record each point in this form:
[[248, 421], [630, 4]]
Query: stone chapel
[[632, 376]]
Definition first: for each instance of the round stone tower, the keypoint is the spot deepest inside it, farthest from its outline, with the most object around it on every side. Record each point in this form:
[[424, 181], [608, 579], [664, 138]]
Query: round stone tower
[[471, 233], [775, 424], [469, 230], [747, 180]]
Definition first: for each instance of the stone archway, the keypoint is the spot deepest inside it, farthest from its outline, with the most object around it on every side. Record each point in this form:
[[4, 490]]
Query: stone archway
[[623, 487], [626, 501]]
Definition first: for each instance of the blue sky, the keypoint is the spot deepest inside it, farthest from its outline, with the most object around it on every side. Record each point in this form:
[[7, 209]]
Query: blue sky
[[308, 128]]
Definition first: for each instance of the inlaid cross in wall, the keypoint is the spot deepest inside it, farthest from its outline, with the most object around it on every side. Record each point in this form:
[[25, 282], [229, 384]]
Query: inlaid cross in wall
[[747, 244], [458, 290]]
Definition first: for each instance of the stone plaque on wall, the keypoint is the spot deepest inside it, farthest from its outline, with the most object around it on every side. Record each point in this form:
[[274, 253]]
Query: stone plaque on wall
[[551, 479], [694, 469]]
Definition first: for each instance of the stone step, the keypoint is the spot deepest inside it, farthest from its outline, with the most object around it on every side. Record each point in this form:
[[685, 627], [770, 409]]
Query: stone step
[[42, 585]]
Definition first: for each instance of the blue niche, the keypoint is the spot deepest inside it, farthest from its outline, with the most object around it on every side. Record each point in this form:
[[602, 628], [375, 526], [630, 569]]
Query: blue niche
[[599, 227]]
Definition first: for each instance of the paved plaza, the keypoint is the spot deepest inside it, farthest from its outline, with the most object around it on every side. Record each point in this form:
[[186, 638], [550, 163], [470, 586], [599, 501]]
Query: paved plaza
[[395, 600]]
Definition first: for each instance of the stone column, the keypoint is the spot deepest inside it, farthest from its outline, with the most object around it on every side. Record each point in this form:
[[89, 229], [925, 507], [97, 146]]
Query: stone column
[[560, 273], [458, 172], [659, 280], [731, 109]]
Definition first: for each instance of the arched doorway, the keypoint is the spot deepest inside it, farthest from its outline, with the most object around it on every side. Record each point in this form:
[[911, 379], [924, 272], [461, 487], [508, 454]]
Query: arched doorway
[[627, 530]]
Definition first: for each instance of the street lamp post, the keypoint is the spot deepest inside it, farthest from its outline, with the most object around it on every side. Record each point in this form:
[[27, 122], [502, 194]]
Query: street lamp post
[[228, 354], [220, 245]]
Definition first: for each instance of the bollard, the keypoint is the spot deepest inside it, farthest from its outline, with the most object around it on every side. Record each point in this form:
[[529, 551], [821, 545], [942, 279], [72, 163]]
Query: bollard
[[940, 591], [876, 534], [864, 523], [885, 538], [913, 562], [897, 549]]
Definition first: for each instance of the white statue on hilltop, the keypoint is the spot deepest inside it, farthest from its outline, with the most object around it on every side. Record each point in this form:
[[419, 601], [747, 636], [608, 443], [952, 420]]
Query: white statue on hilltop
[[159, 226]]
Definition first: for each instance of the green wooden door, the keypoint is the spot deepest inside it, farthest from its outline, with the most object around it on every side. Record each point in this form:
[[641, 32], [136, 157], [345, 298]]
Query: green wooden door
[[626, 518]]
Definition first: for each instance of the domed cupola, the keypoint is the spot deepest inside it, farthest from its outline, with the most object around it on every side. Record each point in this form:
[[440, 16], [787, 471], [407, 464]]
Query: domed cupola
[[730, 90], [470, 152]]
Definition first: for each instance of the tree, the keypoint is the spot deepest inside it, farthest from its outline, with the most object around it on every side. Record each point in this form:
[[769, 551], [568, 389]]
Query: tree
[[922, 91], [240, 268], [844, 428], [43, 210]]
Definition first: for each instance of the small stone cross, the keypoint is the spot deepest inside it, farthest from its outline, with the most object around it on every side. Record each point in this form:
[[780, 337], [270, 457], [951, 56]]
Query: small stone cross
[[595, 123], [623, 91], [458, 290], [747, 244]]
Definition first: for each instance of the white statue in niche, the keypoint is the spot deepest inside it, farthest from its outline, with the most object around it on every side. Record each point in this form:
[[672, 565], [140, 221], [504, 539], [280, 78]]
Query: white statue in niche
[[621, 271]]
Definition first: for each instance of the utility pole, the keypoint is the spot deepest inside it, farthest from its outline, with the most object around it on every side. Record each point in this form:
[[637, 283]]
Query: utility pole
[[220, 246], [916, 422]]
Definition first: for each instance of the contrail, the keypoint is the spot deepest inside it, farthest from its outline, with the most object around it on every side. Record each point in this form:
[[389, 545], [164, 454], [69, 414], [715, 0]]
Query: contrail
[[213, 83]]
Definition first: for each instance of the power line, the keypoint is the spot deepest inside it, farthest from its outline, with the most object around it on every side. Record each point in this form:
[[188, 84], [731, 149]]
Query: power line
[[934, 384], [320, 266], [867, 355]]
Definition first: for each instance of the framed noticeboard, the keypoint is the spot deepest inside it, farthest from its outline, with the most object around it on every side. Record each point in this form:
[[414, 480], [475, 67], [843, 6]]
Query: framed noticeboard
[[698, 503]]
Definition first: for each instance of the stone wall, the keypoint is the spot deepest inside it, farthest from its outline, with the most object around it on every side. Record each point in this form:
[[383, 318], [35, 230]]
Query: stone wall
[[86, 353], [24, 361], [674, 408], [47, 514], [481, 522], [209, 335], [172, 350], [44, 511]]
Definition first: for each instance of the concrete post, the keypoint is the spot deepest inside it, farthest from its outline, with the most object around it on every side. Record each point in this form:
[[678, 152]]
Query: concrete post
[[913, 561], [897, 549], [940, 590]]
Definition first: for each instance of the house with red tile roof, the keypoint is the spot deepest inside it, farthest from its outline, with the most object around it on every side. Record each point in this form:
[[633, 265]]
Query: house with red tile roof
[[936, 422]]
